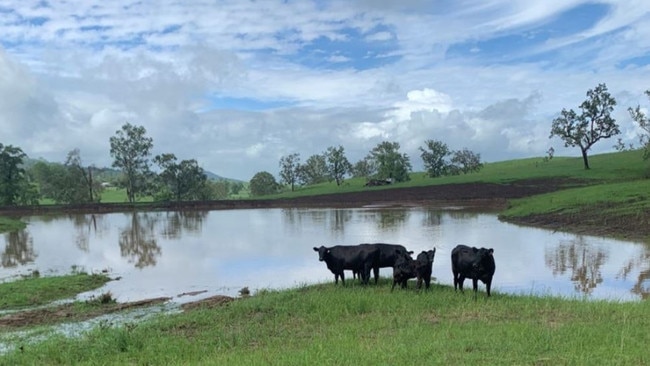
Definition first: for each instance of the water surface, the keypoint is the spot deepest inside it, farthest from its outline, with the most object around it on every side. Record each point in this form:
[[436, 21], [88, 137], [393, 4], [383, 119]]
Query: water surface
[[219, 252]]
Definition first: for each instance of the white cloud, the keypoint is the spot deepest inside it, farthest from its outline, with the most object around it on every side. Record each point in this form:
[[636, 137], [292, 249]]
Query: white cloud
[[308, 74]]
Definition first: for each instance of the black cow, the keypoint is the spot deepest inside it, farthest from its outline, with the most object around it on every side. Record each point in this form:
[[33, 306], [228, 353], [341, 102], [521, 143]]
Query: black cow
[[361, 258], [474, 263], [387, 257], [406, 268], [424, 267]]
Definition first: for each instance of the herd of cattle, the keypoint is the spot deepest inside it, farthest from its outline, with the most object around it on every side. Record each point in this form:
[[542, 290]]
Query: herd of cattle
[[466, 262]]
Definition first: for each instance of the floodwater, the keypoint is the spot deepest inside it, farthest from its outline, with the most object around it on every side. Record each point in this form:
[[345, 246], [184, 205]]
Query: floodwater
[[219, 252]]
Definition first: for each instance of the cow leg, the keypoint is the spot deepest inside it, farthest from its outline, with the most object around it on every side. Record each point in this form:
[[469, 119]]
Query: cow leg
[[376, 270], [475, 286], [342, 277], [456, 281], [488, 284], [460, 281], [419, 283], [336, 278]]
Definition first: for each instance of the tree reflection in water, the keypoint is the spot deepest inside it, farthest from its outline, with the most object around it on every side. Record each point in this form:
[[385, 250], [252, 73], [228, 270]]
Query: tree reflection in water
[[432, 218], [642, 285], [138, 241], [297, 219], [177, 222], [85, 225], [19, 249], [584, 262], [390, 219]]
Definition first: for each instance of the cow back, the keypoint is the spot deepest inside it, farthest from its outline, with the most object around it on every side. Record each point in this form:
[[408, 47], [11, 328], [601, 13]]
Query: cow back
[[388, 253]]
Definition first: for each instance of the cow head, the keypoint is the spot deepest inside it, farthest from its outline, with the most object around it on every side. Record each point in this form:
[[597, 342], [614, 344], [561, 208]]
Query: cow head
[[322, 252], [482, 259], [427, 256]]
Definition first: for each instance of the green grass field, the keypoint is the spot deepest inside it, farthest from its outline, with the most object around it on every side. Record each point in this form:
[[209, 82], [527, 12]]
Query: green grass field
[[355, 325], [610, 168]]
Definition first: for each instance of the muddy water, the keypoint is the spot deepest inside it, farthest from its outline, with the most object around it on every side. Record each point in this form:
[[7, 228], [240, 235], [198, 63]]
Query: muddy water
[[192, 255]]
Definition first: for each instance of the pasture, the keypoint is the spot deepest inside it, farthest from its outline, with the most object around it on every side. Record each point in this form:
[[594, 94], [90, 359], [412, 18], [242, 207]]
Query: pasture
[[329, 324]]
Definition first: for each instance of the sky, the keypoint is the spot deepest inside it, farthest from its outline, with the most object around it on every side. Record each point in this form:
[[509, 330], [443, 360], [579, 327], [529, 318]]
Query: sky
[[236, 85]]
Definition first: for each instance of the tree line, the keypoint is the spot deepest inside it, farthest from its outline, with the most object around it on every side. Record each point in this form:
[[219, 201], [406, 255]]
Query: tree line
[[384, 164], [130, 148], [185, 180]]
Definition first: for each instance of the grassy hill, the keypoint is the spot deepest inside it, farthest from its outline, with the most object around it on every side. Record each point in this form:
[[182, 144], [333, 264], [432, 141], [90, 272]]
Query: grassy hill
[[605, 168]]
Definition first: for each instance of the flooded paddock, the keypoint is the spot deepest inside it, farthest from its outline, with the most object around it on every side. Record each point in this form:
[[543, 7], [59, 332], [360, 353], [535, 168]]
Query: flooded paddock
[[197, 254]]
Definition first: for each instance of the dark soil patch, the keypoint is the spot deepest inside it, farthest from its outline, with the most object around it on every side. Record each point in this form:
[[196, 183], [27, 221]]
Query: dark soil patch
[[210, 302], [69, 313], [466, 194], [592, 221]]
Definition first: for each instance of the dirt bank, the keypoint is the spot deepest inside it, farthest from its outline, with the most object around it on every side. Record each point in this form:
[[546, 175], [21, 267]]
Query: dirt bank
[[468, 194]]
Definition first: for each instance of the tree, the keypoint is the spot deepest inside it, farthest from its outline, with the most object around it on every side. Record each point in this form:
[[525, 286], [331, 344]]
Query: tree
[[236, 187], [184, 180], [314, 170], [337, 164], [466, 161], [364, 168], [15, 187], [50, 177], [642, 120], [390, 163], [435, 158], [591, 125], [131, 150], [263, 183], [81, 182], [69, 182], [290, 169]]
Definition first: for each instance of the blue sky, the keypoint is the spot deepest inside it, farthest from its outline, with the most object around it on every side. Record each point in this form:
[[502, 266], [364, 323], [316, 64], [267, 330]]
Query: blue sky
[[238, 84]]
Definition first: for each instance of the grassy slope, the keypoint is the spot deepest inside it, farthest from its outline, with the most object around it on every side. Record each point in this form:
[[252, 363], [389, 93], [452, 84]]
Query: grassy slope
[[35, 291], [330, 325], [610, 168]]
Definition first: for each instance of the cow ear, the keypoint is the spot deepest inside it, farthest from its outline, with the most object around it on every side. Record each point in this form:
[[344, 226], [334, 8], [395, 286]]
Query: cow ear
[[491, 251], [315, 249]]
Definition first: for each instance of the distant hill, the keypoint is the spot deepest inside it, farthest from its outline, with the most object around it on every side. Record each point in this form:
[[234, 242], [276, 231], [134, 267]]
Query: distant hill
[[216, 177]]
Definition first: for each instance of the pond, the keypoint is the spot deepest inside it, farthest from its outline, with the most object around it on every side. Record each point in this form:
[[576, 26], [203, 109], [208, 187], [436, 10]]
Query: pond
[[206, 253]]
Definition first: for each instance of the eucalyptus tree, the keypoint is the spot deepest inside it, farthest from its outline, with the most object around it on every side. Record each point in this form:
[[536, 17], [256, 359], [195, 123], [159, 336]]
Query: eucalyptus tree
[[466, 161], [390, 163], [82, 184], [593, 123], [290, 169], [435, 158], [130, 149], [338, 165], [15, 187], [313, 171], [641, 118], [184, 180], [364, 168], [263, 183]]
